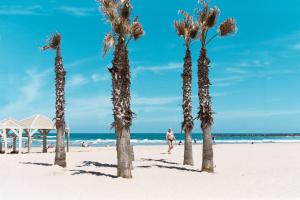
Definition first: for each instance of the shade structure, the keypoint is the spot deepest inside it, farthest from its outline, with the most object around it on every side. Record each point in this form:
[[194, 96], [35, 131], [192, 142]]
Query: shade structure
[[38, 122], [11, 124], [16, 127], [31, 125]]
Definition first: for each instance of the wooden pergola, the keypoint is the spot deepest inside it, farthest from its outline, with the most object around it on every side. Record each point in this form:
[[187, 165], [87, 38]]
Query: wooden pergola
[[31, 125]]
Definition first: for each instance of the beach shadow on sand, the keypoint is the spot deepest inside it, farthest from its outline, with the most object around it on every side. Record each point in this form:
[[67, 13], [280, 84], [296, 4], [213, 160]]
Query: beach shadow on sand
[[159, 160], [36, 163], [79, 172], [177, 168], [170, 165], [97, 164]]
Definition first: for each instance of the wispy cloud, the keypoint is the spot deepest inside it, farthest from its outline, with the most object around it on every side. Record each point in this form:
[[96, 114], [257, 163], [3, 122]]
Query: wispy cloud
[[255, 113], [296, 46], [21, 10], [97, 77], [258, 74], [77, 80], [82, 61], [40, 10], [236, 70], [157, 68], [77, 11], [27, 96]]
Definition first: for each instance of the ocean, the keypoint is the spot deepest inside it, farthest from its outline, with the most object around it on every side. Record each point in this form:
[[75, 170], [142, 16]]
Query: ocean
[[108, 139]]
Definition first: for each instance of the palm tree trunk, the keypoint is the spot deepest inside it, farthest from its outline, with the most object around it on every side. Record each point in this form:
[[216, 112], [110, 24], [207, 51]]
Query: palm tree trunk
[[124, 156], [207, 160], [121, 108], [205, 113], [188, 150], [60, 152], [187, 124]]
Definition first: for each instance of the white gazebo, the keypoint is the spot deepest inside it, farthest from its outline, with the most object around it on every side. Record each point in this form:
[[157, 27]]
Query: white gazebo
[[43, 125], [30, 125], [16, 129]]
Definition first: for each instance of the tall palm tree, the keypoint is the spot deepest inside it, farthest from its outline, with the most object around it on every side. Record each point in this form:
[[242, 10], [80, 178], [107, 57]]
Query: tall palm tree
[[188, 29], [60, 152], [117, 13], [207, 19]]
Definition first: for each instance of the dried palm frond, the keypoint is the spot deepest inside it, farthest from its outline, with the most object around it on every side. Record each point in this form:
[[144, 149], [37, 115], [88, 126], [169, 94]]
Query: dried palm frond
[[108, 43], [125, 10], [136, 30], [55, 42], [194, 31], [203, 3], [107, 4], [212, 17], [111, 14], [203, 15], [227, 27], [188, 17], [180, 27], [117, 25]]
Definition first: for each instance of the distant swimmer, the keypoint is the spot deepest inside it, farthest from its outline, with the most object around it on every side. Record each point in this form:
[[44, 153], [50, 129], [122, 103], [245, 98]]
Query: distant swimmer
[[170, 138]]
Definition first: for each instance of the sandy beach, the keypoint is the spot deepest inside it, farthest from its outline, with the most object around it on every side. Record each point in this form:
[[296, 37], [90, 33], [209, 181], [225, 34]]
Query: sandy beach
[[243, 171]]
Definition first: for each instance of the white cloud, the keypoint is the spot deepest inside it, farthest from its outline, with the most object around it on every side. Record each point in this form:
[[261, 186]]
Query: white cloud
[[77, 11], [40, 10], [157, 68], [98, 77], [27, 97], [82, 61], [255, 113], [21, 10], [296, 46], [236, 70], [77, 80]]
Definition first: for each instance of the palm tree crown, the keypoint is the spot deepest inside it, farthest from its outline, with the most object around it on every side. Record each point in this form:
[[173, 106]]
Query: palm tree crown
[[117, 13], [187, 28]]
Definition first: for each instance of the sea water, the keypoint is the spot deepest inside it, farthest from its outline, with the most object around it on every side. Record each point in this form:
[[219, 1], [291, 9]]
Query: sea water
[[108, 139]]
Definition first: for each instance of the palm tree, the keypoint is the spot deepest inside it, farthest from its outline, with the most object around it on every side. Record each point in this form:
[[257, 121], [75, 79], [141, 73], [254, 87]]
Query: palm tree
[[60, 152], [188, 29], [117, 13], [207, 19]]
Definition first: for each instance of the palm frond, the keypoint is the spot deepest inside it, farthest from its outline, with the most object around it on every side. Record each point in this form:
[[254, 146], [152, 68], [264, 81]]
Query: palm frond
[[212, 17], [125, 9], [180, 27], [107, 4], [188, 17], [194, 30], [136, 30], [53, 42], [108, 43], [227, 27], [111, 14]]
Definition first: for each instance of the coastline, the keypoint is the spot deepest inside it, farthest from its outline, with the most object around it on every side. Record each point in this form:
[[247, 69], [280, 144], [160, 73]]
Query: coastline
[[244, 171]]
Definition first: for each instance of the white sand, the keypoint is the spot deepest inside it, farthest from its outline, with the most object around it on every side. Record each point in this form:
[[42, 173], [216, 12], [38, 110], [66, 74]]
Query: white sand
[[244, 171]]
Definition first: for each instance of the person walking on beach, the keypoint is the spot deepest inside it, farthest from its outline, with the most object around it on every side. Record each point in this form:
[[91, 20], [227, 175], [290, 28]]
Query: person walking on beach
[[170, 138]]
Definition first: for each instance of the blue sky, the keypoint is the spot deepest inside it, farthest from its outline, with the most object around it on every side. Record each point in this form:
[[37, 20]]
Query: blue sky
[[255, 74]]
